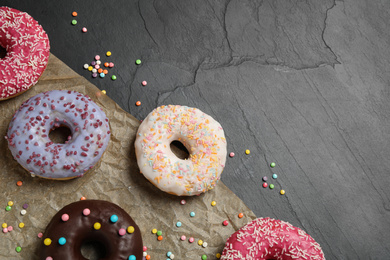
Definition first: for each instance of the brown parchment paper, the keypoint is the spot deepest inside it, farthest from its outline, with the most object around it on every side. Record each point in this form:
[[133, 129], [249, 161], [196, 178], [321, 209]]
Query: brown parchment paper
[[115, 178]]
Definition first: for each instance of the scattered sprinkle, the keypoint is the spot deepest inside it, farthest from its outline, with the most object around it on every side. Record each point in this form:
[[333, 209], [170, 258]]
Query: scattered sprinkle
[[159, 238], [5, 230], [122, 232], [240, 215], [10, 203], [183, 237], [218, 255], [144, 248], [225, 223], [191, 240], [247, 151], [200, 242], [4, 225], [62, 241], [10, 228], [154, 231], [21, 225], [131, 230], [274, 176], [108, 54], [97, 226], [213, 203], [104, 92], [47, 241], [204, 257], [74, 14], [159, 233], [204, 244], [178, 224], [25, 205], [18, 249], [265, 178], [138, 62], [265, 185], [144, 83], [84, 198], [19, 183], [84, 30], [97, 57], [271, 186], [40, 234], [282, 192], [74, 22], [182, 202], [113, 77], [138, 103], [272, 164], [232, 154], [114, 218], [8, 208], [23, 212], [192, 214]]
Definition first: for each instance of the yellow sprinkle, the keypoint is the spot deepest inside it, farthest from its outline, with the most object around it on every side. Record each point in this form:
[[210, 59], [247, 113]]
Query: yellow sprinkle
[[218, 255], [4, 225], [47, 242], [10, 203], [247, 151], [97, 226], [108, 54], [90, 68], [200, 242], [21, 225], [130, 229], [154, 231], [213, 203], [282, 192], [104, 92]]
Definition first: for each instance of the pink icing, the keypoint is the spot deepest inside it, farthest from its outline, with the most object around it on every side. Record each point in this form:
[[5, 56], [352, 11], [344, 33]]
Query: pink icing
[[28, 134], [266, 238], [28, 49]]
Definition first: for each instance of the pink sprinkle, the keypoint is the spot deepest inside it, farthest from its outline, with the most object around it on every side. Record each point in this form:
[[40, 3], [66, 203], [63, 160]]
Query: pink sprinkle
[[231, 154], [5, 230], [111, 64], [84, 30], [65, 217], [182, 202], [86, 212], [10, 228], [97, 66], [144, 83], [97, 57], [191, 239], [225, 223], [183, 237], [49, 258], [145, 248], [40, 235], [122, 232]]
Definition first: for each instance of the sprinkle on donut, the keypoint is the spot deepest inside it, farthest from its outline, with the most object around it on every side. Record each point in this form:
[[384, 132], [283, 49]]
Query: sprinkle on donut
[[198, 132], [28, 134], [266, 238], [27, 46]]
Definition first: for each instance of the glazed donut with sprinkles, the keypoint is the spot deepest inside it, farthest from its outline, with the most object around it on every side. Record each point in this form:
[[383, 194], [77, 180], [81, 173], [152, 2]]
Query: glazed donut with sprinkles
[[27, 52], [91, 221], [201, 135], [30, 144], [266, 238]]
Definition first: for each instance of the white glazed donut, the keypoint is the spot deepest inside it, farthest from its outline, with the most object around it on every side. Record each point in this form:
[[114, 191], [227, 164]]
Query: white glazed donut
[[198, 132], [28, 134]]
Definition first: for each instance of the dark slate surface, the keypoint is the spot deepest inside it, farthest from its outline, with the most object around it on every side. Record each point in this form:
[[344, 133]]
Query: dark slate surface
[[302, 83]]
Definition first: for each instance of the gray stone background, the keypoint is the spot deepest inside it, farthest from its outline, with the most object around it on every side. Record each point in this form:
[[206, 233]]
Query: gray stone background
[[305, 84]]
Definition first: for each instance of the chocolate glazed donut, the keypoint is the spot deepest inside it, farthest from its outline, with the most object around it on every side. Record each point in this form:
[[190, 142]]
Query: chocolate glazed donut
[[93, 221]]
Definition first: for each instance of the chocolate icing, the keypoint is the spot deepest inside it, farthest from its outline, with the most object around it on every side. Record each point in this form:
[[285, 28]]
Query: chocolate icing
[[79, 230]]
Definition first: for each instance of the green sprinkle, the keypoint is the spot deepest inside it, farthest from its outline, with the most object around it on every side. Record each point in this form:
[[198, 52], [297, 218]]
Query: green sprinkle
[[159, 233], [272, 164], [18, 249], [113, 77], [271, 186], [204, 257], [8, 208], [74, 22], [138, 62]]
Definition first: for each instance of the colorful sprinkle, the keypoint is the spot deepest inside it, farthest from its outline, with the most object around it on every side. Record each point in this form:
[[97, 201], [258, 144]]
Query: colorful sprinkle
[[192, 214], [47, 241], [218, 255], [113, 77], [178, 224], [204, 257], [5, 230], [183, 237], [265, 185], [19, 183], [10, 228], [271, 186], [274, 176], [86, 66], [40, 235], [8, 208], [191, 240], [272, 164], [144, 83], [265, 178], [154, 231], [247, 151], [213, 203], [74, 14], [200, 242], [182, 202], [21, 225], [65, 217], [10, 203], [62, 241], [232, 154], [138, 62], [144, 248], [83, 198], [122, 232], [204, 244], [138, 103], [132, 257], [86, 212], [4, 225], [282, 192], [84, 30], [49, 258], [159, 238], [225, 223], [240, 215], [114, 218], [111, 65], [97, 226], [23, 212], [159, 233], [97, 57], [130, 229], [108, 54], [18, 249], [74, 22], [102, 75], [104, 92]]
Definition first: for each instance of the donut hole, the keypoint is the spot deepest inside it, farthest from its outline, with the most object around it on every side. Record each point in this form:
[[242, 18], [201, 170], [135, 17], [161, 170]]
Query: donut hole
[[180, 150], [60, 135], [3, 52], [93, 250]]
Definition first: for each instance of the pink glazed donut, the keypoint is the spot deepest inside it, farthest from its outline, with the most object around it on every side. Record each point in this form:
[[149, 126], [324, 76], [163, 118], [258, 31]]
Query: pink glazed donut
[[30, 145], [266, 238], [27, 46]]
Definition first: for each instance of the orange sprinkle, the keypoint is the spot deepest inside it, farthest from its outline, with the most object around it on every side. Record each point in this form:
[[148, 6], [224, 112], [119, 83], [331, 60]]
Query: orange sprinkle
[[159, 238], [147, 257], [241, 215], [138, 103], [106, 64], [100, 70], [105, 72], [19, 183], [74, 14], [83, 198]]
